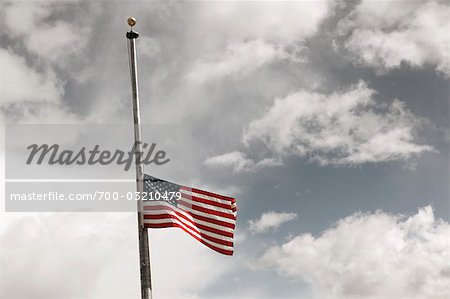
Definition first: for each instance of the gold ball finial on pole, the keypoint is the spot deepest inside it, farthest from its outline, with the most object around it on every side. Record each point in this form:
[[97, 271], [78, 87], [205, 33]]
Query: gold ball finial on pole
[[131, 21]]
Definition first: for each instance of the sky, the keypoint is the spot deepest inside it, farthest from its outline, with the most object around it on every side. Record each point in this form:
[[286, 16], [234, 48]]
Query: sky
[[327, 120]]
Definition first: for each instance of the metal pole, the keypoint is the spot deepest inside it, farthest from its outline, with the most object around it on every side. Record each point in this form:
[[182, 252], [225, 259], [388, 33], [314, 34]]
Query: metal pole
[[144, 247]]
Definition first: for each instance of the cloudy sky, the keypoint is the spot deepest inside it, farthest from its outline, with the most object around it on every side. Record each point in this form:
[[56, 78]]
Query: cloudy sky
[[327, 120]]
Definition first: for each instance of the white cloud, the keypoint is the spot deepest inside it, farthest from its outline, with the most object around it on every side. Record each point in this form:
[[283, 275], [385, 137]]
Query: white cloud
[[28, 95], [235, 159], [253, 34], [100, 250], [239, 59], [51, 41], [187, 281], [383, 34], [376, 256], [46, 113], [23, 83], [56, 42], [43, 247], [270, 220], [30, 89], [239, 162], [346, 127], [284, 21]]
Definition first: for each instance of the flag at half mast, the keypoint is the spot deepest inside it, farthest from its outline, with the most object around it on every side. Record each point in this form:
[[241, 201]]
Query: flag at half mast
[[208, 217]]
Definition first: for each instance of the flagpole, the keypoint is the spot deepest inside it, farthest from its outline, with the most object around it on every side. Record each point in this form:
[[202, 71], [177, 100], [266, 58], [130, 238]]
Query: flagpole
[[144, 246]]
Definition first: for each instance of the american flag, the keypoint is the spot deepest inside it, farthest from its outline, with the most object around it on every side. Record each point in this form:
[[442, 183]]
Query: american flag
[[208, 217]]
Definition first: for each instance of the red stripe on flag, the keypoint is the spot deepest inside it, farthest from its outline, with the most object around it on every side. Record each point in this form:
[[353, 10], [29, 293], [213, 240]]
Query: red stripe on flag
[[196, 216], [206, 210], [203, 235], [199, 226], [206, 201], [207, 193]]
